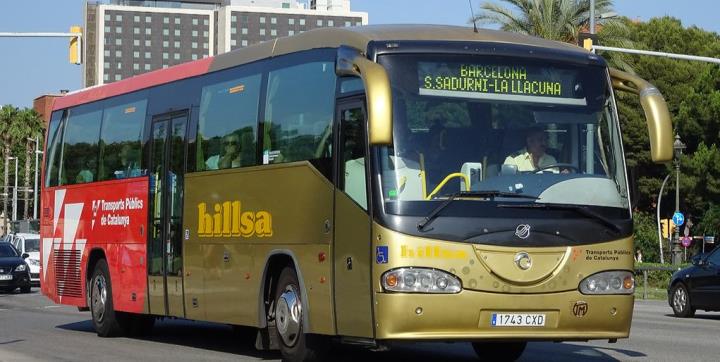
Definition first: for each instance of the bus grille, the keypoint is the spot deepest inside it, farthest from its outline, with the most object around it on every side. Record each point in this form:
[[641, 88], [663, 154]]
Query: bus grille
[[67, 273]]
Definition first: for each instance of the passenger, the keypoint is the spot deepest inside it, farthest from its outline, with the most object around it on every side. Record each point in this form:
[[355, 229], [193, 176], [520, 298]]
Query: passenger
[[86, 175], [230, 154], [533, 156], [129, 162]]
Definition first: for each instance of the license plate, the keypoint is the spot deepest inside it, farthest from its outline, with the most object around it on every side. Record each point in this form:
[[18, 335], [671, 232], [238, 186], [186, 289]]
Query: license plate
[[5, 277], [517, 320]]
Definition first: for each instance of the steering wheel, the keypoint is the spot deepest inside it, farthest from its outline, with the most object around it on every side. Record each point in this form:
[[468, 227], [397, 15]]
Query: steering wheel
[[559, 166]]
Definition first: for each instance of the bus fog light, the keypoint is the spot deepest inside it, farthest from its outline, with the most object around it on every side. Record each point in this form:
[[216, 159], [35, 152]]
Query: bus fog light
[[420, 280], [608, 282]]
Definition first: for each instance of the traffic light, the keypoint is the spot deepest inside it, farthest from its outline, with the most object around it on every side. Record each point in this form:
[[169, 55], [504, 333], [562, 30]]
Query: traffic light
[[75, 55], [586, 40], [667, 227]]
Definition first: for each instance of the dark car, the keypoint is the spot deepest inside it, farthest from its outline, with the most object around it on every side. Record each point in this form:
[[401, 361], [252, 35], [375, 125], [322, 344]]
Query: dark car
[[14, 271], [697, 286]]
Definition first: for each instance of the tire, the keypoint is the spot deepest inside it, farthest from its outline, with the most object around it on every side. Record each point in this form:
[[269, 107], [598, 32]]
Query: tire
[[106, 321], [499, 351], [295, 345], [680, 301]]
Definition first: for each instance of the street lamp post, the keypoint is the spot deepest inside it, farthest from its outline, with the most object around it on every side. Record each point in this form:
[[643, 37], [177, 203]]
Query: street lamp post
[[14, 205], [35, 192], [678, 146]]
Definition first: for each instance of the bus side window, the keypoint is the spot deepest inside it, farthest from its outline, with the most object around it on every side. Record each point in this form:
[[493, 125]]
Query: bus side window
[[54, 146], [121, 136], [80, 145], [352, 174]]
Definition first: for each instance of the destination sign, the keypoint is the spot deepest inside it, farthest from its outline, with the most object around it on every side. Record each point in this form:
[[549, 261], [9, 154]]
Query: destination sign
[[500, 82]]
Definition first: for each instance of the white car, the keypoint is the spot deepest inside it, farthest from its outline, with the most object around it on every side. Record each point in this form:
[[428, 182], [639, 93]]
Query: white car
[[30, 244]]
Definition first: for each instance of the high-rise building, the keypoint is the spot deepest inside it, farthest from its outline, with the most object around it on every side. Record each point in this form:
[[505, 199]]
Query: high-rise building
[[124, 38]]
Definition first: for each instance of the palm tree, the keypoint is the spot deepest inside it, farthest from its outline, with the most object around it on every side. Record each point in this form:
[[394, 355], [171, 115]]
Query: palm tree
[[560, 20], [8, 128], [31, 125]]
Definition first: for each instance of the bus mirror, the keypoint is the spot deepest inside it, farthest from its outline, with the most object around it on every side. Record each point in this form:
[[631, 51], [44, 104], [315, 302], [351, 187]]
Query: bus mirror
[[656, 113], [377, 92]]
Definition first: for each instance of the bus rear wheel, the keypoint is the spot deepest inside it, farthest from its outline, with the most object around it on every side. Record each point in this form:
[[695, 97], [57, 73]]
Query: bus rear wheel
[[499, 351], [107, 322], [295, 345]]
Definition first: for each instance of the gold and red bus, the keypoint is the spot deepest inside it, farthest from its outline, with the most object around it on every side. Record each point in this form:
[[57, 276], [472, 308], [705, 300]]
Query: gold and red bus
[[366, 185]]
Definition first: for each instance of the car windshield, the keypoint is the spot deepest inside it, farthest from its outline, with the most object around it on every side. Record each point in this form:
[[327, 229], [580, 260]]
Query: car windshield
[[479, 123], [6, 250], [32, 245]]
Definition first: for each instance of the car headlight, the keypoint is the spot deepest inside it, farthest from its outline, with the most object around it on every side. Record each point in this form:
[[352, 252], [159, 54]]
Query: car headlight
[[420, 280], [609, 282], [21, 267]]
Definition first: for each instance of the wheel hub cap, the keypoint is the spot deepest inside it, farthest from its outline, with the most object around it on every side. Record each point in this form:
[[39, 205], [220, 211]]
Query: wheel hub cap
[[288, 316], [679, 299], [99, 297]]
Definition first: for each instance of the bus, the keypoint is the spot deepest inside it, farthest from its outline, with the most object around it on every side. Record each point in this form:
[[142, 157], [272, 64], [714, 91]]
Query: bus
[[366, 185]]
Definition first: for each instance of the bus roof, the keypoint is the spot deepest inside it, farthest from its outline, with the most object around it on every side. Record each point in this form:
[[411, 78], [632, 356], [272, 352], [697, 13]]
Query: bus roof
[[356, 37]]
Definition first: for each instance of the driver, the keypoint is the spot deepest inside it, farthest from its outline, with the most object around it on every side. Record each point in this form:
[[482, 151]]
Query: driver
[[533, 156]]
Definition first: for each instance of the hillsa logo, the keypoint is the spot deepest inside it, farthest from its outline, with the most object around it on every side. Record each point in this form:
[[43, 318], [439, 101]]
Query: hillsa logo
[[228, 220], [433, 252]]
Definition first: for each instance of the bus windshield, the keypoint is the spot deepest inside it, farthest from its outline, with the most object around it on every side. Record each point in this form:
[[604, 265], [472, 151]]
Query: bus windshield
[[498, 125]]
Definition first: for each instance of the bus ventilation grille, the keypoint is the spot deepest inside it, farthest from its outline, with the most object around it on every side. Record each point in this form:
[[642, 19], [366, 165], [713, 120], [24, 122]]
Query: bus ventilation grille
[[67, 273]]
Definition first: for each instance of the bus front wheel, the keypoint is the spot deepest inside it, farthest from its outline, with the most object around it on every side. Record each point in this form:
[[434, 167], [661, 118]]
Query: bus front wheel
[[106, 320], [499, 351], [295, 345]]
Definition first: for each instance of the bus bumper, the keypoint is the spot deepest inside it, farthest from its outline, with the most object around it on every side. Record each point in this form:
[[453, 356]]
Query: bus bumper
[[468, 314]]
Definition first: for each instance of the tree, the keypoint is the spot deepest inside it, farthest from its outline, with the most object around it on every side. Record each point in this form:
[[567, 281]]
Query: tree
[[31, 125]]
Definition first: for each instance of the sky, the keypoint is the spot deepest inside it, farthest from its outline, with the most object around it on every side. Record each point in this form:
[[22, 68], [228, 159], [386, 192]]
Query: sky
[[31, 67]]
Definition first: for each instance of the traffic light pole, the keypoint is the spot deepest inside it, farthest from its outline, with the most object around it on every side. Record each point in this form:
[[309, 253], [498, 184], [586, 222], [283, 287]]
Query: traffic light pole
[[75, 35], [660, 240]]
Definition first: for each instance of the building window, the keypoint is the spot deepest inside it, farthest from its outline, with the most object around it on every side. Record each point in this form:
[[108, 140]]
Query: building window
[[136, 66], [136, 18], [107, 29], [331, 23], [177, 32], [244, 31], [205, 22], [118, 30], [147, 66], [148, 31], [147, 55], [136, 30], [302, 21], [262, 31], [233, 42], [107, 53], [148, 43], [166, 44], [262, 20], [233, 18], [118, 77], [291, 32], [118, 17], [166, 32], [106, 65], [195, 33], [119, 65], [166, 20], [233, 30], [206, 34], [118, 54], [319, 22], [347, 24], [244, 43], [176, 56], [194, 57], [195, 21], [177, 21], [118, 41], [107, 17], [205, 45], [273, 20], [136, 42], [177, 44], [291, 21], [106, 77], [273, 32], [194, 45], [148, 19], [166, 56], [136, 54]]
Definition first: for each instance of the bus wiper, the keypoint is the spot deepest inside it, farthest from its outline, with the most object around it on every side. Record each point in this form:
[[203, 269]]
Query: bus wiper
[[582, 210], [470, 194]]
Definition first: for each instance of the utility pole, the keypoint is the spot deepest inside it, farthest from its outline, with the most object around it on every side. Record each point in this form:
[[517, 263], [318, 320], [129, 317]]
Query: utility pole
[[35, 189], [14, 206], [5, 195]]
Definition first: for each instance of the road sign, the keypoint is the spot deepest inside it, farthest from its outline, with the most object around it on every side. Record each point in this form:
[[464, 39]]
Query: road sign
[[686, 241], [678, 218], [709, 240]]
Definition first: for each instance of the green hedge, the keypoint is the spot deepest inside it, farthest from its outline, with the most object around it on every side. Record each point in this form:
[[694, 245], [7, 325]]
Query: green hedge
[[656, 278]]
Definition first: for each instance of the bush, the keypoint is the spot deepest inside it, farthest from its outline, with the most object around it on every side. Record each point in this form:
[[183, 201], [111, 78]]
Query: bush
[[656, 278]]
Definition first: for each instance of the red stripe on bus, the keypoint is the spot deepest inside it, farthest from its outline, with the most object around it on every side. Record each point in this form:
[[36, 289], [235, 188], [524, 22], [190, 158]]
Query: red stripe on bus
[[138, 82]]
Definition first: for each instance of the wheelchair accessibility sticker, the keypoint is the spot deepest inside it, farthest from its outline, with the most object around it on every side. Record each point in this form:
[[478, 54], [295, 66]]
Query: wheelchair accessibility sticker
[[381, 255]]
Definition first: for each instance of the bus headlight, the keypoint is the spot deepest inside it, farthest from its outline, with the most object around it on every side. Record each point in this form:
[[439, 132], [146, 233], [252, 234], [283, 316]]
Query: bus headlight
[[420, 280], [609, 282]]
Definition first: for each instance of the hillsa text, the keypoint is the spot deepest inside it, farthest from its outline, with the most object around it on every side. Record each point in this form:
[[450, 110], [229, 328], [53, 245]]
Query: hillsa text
[[228, 220]]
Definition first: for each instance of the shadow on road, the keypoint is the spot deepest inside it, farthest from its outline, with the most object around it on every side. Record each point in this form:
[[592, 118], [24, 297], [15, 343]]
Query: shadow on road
[[222, 338]]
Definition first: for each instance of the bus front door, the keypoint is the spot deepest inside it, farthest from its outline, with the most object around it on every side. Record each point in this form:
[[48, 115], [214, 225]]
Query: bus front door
[[165, 272]]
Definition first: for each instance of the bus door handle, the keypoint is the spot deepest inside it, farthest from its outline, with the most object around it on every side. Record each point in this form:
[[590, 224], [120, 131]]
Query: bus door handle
[[348, 263]]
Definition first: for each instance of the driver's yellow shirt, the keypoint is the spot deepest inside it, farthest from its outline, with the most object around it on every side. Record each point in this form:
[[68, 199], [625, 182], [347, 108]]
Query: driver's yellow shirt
[[523, 160]]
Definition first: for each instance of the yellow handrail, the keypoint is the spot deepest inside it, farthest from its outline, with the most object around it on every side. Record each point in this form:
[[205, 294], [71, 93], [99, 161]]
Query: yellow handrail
[[448, 178]]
